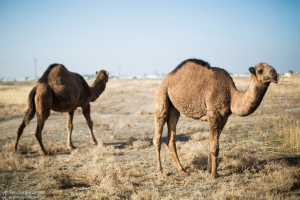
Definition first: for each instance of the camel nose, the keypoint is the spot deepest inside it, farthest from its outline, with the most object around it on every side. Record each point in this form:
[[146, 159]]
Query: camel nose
[[273, 76]]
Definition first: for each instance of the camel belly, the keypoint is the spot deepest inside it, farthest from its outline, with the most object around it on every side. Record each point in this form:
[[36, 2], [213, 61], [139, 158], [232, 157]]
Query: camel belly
[[65, 105], [64, 108], [191, 108], [196, 116]]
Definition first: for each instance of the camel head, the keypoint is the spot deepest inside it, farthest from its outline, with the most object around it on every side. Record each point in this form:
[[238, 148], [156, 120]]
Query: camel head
[[102, 75], [264, 73]]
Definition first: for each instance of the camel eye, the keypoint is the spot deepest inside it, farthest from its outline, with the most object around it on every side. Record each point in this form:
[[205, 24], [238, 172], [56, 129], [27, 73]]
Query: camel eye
[[260, 71]]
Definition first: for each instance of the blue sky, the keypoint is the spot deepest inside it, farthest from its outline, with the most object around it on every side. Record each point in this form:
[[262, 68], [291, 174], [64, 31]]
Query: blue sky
[[146, 36]]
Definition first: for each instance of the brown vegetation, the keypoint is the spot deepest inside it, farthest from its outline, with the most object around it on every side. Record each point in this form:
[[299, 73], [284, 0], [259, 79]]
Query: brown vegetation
[[256, 161]]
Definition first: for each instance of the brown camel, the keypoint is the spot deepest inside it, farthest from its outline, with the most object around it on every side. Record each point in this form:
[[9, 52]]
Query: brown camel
[[205, 93], [63, 91]]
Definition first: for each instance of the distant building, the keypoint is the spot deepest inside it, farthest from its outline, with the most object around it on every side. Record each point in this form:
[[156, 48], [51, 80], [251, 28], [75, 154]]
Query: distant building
[[152, 76], [240, 75], [126, 77], [86, 77], [287, 74], [138, 77], [32, 78], [8, 79], [21, 79]]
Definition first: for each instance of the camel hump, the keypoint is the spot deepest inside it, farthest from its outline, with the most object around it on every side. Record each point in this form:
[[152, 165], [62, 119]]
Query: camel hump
[[193, 60], [44, 78]]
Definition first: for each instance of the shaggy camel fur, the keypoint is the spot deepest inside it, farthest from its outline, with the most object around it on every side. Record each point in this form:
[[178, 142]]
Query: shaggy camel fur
[[205, 93], [63, 91]]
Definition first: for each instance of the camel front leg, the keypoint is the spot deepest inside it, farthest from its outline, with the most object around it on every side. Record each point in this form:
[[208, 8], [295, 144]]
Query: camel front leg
[[87, 114], [213, 155], [70, 129], [209, 160], [214, 143], [213, 147]]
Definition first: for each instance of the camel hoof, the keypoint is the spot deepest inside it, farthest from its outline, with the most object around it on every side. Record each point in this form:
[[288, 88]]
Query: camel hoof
[[159, 169], [214, 176], [46, 154], [14, 149], [71, 147], [159, 172], [94, 141], [209, 171], [183, 173]]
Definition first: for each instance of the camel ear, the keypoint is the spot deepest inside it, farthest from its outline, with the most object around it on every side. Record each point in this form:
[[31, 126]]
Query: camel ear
[[107, 73], [252, 70], [96, 72]]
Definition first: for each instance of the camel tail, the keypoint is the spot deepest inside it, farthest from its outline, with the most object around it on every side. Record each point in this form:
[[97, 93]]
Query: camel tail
[[30, 109]]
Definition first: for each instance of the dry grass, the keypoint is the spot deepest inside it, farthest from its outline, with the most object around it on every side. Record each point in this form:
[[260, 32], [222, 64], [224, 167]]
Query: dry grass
[[259, 155], [198, 136], [14, 94], [277, 120], [140, 144], [13, 98]]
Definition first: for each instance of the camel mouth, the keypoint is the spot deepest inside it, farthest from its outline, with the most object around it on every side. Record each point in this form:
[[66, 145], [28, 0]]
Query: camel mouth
[[274, 80], [268, 80]]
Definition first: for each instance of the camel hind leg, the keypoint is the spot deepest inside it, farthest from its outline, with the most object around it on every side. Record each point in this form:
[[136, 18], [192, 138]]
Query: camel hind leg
[[43, 102], [172, 122], [28, 116], [162, 102], [19, 133]]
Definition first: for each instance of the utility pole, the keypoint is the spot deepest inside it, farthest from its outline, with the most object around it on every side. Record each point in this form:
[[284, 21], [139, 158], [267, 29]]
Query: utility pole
[[34, 68]]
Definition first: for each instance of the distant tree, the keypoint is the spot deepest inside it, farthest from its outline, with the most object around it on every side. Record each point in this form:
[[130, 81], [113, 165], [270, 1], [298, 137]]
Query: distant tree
[[291, 71]]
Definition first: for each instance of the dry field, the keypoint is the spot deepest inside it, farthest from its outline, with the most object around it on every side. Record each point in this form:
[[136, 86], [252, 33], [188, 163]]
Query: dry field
[[259, 156]]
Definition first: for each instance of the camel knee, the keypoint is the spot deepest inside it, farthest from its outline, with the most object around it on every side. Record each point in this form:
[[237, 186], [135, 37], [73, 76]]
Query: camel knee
[[214, 149], [47, 115], [215, 152], [171, 146], [36, 135], [170, 142], [156, 142], [21, 128], [161, 112], [90, 123], [70, 126]]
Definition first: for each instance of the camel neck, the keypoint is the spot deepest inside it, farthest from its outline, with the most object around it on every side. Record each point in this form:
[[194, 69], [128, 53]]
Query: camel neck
[[97, 88], [243, 104]]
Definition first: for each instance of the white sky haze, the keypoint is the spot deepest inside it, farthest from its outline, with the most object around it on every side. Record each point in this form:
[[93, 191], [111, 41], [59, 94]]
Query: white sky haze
[[146, 36]]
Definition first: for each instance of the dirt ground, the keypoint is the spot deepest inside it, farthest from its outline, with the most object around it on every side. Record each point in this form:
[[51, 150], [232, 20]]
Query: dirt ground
[[259, 155]]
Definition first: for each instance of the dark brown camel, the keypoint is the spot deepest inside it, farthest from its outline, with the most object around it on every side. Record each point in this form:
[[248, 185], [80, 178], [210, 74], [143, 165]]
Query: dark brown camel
[[206, 93], [63, 91]]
